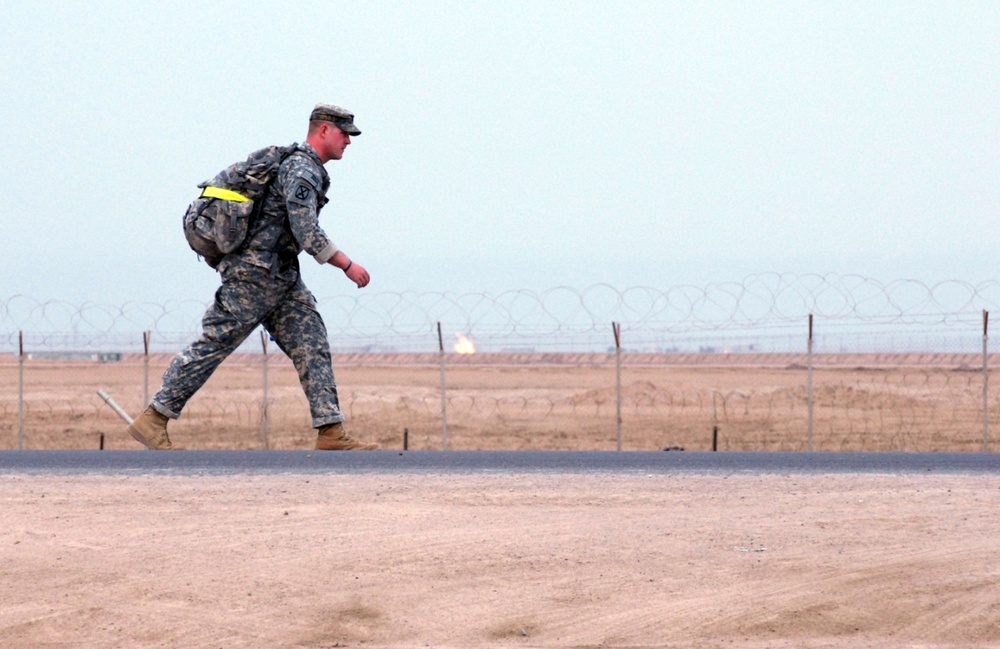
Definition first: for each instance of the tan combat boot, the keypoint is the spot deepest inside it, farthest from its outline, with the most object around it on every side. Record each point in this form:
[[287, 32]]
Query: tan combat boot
[[335, 438], [150, 430]]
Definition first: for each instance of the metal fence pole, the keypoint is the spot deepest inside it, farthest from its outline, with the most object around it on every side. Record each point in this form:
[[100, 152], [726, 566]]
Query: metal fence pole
[[715, 417], [145, 368], [264, 413], [20, 390], [986, 383], [809, 384], [617, 329], [444, 396]]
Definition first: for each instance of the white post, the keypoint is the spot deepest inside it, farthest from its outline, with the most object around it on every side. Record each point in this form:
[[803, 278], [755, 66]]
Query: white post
[[264, 414], [617, 329], [444, 397], [809, 382], [114, 406]]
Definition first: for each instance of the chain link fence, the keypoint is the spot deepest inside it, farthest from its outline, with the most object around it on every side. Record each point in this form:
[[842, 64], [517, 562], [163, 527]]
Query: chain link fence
[[774, 362]]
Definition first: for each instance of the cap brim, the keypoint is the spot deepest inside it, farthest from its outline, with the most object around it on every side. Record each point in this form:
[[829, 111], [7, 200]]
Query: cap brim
[[349, 128]]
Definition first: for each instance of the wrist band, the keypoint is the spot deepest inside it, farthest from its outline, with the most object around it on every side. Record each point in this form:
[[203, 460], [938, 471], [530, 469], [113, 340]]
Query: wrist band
[[349, 264]]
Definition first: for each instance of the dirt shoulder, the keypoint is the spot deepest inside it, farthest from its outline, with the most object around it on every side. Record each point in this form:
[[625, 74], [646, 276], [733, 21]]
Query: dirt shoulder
[[536, 560]]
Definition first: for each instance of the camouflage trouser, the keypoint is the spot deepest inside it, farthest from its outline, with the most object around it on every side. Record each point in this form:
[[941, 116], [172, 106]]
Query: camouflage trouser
[[250, 296]]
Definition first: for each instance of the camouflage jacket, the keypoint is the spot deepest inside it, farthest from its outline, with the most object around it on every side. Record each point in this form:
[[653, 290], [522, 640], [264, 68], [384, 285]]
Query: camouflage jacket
[[288, 222]]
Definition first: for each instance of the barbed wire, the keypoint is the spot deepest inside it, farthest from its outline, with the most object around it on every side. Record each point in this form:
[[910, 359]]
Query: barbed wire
[[899, 408], [766, 306]]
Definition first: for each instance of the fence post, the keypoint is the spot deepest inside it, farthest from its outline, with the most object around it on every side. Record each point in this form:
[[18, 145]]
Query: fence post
[[986, 383], [617, 329], [715, 416], [264, 414], [20, 390], [145, 367], [444, 396], [809, 384]]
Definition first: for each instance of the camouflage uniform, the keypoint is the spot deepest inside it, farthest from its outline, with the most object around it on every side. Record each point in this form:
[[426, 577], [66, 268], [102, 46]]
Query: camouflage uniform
[[261, 285]]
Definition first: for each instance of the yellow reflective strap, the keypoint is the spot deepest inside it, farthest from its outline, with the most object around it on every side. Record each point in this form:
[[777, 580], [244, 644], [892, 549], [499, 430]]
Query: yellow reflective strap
[[224, 194]]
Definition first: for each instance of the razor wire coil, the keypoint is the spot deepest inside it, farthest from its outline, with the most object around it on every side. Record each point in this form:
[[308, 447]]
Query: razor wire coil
[[763, 307]]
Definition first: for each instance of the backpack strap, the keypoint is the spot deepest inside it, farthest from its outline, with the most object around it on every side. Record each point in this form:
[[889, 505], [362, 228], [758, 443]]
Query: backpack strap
[[259, 206], [223, 194]]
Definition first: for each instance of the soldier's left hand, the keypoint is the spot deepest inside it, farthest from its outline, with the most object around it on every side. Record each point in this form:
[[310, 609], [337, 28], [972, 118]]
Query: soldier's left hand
[[357, 274]]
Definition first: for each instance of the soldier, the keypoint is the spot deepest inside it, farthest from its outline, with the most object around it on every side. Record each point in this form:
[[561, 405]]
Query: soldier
[[261, 285]]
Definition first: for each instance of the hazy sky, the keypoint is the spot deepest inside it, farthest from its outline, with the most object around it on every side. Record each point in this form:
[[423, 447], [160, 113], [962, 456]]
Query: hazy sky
[[509, 144]]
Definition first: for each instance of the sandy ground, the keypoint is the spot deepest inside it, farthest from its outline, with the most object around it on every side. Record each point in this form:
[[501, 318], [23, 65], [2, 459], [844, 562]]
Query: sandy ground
[[755, 402], [533, 560]]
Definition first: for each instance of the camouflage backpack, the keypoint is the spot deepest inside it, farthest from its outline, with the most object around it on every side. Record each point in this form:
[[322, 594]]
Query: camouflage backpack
[[217, 222]]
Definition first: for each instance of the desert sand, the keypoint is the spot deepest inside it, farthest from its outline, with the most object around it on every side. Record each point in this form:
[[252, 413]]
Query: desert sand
[[492, 560], [755, 402], [529, 560]]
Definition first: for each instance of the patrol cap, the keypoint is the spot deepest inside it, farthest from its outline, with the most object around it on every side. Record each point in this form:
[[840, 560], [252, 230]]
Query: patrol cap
[[339, 117]]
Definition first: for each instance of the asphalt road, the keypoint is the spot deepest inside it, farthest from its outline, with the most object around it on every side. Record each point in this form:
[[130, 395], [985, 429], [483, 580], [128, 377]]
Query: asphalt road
[[193, 463]]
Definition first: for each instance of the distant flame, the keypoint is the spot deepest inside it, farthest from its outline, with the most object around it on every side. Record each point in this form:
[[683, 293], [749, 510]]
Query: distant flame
[[464, 345]]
